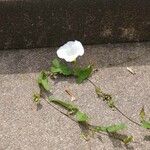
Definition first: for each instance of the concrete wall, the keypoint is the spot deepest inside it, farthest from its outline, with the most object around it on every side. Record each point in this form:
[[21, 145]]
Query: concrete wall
[[44, 23]]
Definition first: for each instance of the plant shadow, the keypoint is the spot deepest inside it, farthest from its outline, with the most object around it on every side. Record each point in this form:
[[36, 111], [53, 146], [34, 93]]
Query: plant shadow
[[39, 107], [44, 94], [101, 56], [85, 131], [147, 138], [116, 139]]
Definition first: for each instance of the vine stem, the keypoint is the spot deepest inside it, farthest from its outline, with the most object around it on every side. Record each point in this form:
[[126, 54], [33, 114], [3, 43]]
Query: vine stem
[[117, 107], [60, 111], [109, 135], [92, 83], [126, 116]]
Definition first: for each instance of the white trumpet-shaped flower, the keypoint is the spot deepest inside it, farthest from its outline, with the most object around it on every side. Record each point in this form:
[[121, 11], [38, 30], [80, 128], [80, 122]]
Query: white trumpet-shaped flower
[[70, 51]]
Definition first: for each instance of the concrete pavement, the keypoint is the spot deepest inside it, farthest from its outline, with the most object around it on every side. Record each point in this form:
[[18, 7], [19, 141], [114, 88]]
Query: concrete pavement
[[22, 127]]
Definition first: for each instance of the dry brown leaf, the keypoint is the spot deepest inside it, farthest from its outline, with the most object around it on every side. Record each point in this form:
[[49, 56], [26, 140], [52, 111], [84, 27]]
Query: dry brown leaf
[[70, 94], [131, 71]]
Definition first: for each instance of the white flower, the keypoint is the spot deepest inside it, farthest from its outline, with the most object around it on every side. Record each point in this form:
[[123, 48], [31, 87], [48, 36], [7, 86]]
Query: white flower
[[70, 51]]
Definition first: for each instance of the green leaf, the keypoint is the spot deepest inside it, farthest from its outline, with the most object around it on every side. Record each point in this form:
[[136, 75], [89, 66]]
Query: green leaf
[[68, 106], [36, 98], [60, 68], [106, 97], [142, 114], [81, 117], [111, 129], [128, 139], [111, 103], [98, 92], [100, 128], [82, 73], [43, 81], [145, 124], [116, 127]]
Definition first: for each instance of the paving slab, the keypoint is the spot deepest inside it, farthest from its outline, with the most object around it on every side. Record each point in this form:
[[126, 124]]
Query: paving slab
[[23, 127]]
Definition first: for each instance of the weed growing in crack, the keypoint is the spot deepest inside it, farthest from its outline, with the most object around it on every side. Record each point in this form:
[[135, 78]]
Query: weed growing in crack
[[69, 52]]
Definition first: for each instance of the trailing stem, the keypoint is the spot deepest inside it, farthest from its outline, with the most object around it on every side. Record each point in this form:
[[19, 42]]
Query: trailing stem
[[108, 98]]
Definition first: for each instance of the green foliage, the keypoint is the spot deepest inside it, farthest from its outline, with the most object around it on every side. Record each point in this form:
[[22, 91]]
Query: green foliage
[[111, 103], [145, 124], [36, 98], [106, 97], [111, 129], [99, 92], [116, 127], [60, 68], [100, 129], [68, 106], [142, 114], [81, 117], [82, 73], [128, 139], [43, 81]]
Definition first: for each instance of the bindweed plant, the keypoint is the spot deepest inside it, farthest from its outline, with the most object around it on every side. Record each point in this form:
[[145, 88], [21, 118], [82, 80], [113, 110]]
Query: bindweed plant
[[111, 103], [69, 52], [60, 68]]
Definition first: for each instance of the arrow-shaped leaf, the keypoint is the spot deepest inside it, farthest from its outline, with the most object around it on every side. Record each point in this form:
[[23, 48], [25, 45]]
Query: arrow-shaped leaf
[[116, 127], [128, 139], [60, 68], [43, 81], [36, 98], [111, 129], [68, 106], [145, 124], [106, 97], [82, 73], [81, 117], [99, 92], [142, 114]]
